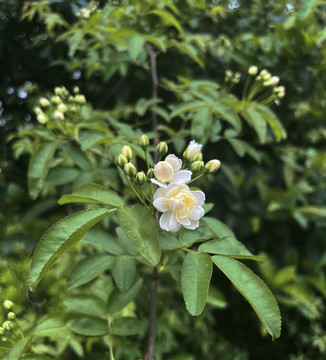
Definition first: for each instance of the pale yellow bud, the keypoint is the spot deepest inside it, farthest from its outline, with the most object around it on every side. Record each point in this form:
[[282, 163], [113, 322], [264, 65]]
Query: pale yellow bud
[[42, 118], [62, 108], [253, 70], [130, 169], [162, 148], [11, 316], [7, 304], [2, 330], [44, 102], [121, 161], [127, 152], [140, 178], [192, 150], [144, 142], [197, 166], [58, 115], [150, 173], [212, 166]]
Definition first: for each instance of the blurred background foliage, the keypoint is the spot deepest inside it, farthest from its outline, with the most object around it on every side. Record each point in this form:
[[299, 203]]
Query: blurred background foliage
[[270, 190]]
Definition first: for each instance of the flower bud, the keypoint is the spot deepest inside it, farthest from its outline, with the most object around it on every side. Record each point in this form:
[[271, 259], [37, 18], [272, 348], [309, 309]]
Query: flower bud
[[76, 89], [44, 102], [11, 316], [162, 148], [197, 166], [56, 100], [80, 99], [7, 304], [192, 150], [274, 80], [140, 178], [38, 111], [42, 118], [121, 161], [8, 325], [150, 173], [127, 152], [4, 339], [2, 330], [130, 169], [62, 108], [58, 115], [212, 166], [198, 157], [144, 142], [236, 78], [280, 91], [228, 74], [253, 70]]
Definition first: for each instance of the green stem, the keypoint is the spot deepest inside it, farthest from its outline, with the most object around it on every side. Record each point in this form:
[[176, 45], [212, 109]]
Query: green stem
[[146, 158], [196, 178], [134, 190], [110, 340], [20, 329]]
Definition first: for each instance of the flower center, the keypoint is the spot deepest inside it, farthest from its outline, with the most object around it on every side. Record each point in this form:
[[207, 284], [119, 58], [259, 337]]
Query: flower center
[[185, 204]]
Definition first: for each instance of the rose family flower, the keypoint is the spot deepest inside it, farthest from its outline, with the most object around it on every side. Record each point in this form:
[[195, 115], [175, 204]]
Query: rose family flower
[[180, 206], [168, 171], [192, 150]]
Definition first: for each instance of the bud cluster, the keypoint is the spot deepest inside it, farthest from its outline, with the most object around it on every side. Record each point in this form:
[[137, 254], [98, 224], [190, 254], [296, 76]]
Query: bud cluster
[[263, 87], [7, 325], [62, 106]]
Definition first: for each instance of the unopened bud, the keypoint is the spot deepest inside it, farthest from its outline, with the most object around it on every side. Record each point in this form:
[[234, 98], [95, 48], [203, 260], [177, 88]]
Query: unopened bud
[[42, 118], [8, 325], [62, 108], [11, 316], [56, 100], [274, 80], [198, 157], [121, 161], [7, 304], [130, 170], [162, 148], [4, 339], [58, 115], [144, 142], [192, 149], [38, 111], [197, 166], [127, 152], [2, 330], [253, 70], [280, 91], [212, 166], [236, 78], [57, 90], [44, 102], [150, 173], [140, 178], [80, 99], [76, 89]]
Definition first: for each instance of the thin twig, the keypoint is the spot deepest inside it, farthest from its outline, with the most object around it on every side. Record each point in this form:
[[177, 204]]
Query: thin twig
[[153, 302]]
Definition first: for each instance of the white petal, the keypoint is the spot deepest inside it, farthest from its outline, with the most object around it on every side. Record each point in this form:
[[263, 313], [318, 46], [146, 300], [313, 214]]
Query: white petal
[[182, 177], [200, 197], [184, 221], [160, 193], [164, 220], [161, 204], [154, 181], [194, 225], [175, 162], [197, 213], [173, 223], [163, 171]]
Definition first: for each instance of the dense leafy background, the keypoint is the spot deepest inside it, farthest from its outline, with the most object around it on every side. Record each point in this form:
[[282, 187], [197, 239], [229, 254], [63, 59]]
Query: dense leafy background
[[271, 194]]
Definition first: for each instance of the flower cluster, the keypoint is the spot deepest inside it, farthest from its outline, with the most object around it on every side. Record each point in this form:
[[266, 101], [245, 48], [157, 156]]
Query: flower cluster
[[181, 206], [62, 105], [9, 324]]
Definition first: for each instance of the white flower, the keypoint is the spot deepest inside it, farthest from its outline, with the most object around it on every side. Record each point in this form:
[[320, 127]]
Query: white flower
[[192, 149], [180, 206], [168, 171]]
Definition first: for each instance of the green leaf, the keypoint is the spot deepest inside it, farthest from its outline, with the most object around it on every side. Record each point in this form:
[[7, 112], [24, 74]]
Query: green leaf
[[123, 271], [218, 228], [201, 125], [78, 157], [18, 348], [36, 357], [74, 42], [188, 237], [118, 300], [187, 106], [168, 241], [258, 122], [190, 50], [195, 279], [39, 167], [254, 290], [169, 18], [228, 113], [59, 238], [273, 122], [285, 275], [125, 243], [140, 226], [90, 326], [93, 193], [88, 269], [53, 326], [216, 298], [103, 240], [311, 210], [229, 246], [136, 44], [85, 303], [127, 325], [61, 175]]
